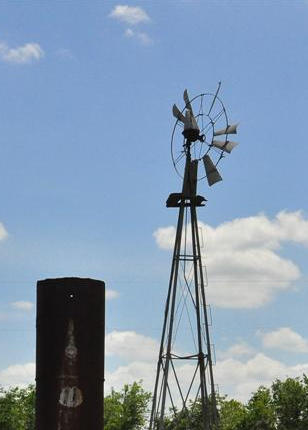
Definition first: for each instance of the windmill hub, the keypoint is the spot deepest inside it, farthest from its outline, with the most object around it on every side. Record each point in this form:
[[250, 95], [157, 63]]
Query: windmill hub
[[192, 135]]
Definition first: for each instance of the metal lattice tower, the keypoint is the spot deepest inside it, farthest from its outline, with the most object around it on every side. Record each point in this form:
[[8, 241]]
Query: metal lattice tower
[[184, 378]]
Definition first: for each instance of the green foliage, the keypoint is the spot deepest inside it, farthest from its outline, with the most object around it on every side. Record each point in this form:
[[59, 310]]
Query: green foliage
[[260, 412], [185, 419], [126, 409], [283, 406], [190, 418], [290, 400], [232, 414], [17, 408]]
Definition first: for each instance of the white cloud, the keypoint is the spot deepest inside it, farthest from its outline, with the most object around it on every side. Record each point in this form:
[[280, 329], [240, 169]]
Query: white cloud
[[235, 377], [131, 345], [22, 54], [164, 237], [111, 294], [23, 305], [131, 15], [284, 338], [134, 371], [243, 264], [146, 371], [3, 232], [142, 37], [239, 379], [241, 349], [129, 32], [18, 375], [238, 375]]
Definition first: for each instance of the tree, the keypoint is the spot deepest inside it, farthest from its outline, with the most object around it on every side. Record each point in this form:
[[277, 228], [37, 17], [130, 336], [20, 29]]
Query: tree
[[283, 406], [126, 409], [304, 423], [290, 400], [232, 414], [17, 408], [260, 413]]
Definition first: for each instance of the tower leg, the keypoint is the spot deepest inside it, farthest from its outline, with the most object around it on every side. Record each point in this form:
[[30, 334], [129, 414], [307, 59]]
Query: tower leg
[[197, 277], [186, 296], [164, 358]]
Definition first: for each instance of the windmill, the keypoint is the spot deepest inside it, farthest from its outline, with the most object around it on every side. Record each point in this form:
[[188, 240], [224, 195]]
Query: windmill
[[184, 376]]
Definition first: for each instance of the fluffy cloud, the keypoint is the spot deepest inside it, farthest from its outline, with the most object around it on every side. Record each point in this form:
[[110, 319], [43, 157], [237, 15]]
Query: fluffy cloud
[[237, 377], [240, 378], [17, 375], [111, 294], [22, 305], [141, 353], [131, 15], [143, 37], [244, 267], [3, 232], [239, 374], [164, 237], [22, 54], [134, 371], [146, 371], [284, 338], [131, 345], [241, 349]]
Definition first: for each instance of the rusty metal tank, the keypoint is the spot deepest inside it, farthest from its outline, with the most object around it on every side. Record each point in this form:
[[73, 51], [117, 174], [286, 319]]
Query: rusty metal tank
[[70, 354]]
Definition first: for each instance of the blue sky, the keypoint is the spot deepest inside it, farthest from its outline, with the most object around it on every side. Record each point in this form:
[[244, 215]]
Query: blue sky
[[86, 122]]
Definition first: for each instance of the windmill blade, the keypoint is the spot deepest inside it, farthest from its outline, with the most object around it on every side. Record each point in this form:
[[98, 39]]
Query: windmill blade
[[212, 173], [231, 129], [190, 121], [224, 146], [187, 102], [178, 114]]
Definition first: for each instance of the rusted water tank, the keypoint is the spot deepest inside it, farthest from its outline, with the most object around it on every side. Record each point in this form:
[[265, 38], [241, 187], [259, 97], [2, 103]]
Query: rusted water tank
[[70, 354]]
